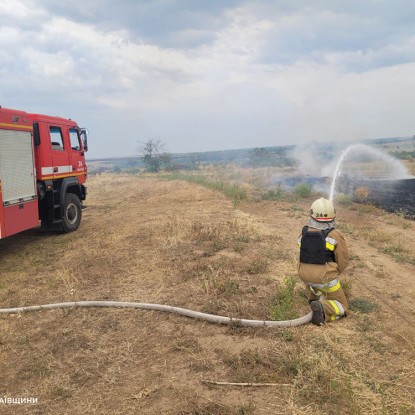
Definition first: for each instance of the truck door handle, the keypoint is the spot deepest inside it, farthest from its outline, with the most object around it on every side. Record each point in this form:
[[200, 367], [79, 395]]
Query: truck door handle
[[55, 169]]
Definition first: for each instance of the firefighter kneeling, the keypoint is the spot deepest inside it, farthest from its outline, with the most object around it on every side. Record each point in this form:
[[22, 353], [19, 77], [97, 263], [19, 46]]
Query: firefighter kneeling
[[323, 257]]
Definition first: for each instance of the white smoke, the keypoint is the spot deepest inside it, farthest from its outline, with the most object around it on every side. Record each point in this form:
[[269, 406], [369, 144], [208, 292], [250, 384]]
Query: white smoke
[[310, 164]]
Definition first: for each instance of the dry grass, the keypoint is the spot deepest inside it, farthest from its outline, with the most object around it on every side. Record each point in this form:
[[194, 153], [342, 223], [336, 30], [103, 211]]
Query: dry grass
[[182, 244], [361, 194]]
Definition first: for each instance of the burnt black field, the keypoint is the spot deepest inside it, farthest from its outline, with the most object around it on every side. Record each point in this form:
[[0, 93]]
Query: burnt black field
[[391, 195]]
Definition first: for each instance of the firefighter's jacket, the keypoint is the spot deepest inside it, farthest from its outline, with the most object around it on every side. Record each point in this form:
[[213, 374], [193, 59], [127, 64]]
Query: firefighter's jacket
[[321, 274]]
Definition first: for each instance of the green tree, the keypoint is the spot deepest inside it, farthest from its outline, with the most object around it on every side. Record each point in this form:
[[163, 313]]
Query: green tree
[[154, 155], [275, 156], [260, 157]]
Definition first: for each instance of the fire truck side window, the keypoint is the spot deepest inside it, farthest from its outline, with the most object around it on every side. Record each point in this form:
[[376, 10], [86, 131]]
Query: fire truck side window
[[56, 138], [75, 140]]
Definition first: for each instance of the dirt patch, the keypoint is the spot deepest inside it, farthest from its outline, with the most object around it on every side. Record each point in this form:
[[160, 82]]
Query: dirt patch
[[182, 244]]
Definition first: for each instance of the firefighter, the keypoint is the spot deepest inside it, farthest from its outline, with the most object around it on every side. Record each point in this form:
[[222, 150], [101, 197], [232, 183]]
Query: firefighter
[[323, 257]]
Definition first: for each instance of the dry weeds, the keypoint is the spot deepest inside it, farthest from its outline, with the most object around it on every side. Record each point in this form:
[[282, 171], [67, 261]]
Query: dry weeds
[[182, 244]]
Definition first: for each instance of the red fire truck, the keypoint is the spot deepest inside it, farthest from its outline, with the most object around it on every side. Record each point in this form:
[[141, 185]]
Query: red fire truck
[[42, 172]]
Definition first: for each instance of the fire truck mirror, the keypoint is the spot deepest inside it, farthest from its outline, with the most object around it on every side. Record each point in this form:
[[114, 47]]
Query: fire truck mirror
[[84, 135]]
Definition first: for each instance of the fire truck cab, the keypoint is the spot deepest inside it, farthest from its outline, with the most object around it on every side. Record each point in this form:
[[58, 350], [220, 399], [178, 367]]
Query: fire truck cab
[[42, 172]]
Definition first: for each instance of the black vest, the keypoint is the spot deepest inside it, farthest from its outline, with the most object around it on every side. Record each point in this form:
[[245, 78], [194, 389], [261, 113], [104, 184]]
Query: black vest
[[313, 247]]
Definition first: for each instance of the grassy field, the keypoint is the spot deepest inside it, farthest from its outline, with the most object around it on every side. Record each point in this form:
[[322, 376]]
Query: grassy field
[[218, 248]]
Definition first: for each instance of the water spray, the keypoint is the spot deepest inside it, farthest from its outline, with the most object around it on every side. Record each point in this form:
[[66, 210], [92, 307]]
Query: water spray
[[337, 172], [399, 170]]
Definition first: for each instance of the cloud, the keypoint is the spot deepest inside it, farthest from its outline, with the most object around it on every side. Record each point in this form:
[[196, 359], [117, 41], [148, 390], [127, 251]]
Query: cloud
[[20, 11], [210, 75]]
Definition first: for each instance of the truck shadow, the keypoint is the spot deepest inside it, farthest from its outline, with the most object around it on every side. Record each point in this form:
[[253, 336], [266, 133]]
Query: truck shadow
[[15, 243]]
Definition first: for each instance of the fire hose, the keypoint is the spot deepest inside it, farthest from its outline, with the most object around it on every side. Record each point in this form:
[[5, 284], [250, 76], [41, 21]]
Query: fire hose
[[165, 308]]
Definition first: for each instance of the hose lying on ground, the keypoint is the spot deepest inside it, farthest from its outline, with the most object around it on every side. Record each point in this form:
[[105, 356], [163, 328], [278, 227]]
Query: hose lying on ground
[[166, 308]]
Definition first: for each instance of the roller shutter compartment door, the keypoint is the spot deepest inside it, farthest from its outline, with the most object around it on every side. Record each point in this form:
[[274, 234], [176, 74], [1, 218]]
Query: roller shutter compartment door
[[16, 166]]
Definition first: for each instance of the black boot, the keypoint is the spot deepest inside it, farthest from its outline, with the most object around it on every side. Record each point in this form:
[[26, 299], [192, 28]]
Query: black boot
[[318, 313]]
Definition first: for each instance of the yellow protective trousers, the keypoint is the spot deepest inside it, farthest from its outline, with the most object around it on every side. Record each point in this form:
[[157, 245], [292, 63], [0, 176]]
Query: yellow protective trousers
[[331, 296]]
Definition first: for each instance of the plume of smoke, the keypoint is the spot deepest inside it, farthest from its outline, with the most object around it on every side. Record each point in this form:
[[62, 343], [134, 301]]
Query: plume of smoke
[[309, 161], [316, 159]]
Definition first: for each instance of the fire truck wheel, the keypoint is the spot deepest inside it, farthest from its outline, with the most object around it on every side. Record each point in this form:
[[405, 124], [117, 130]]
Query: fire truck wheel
[[72, 212]]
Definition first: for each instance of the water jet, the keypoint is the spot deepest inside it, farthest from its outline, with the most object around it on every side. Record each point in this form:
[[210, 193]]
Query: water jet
[[375, 177]]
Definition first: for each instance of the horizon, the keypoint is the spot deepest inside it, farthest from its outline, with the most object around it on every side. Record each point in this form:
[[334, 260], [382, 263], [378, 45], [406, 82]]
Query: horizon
[[327, 143]]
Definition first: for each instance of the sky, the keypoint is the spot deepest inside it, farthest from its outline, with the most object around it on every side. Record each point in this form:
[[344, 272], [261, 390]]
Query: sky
[[215, 74]]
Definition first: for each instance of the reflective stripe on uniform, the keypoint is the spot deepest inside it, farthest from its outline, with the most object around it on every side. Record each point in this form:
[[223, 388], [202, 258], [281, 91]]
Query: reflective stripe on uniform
[[338, 308], [331, 241], [330, 287], [331, 244]]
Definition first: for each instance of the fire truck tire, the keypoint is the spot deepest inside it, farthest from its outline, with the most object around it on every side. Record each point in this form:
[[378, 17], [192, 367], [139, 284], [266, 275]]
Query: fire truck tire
[[72, 212]]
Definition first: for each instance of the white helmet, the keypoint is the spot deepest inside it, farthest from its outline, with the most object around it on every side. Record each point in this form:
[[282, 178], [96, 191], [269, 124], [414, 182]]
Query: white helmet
[[322, 210]]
